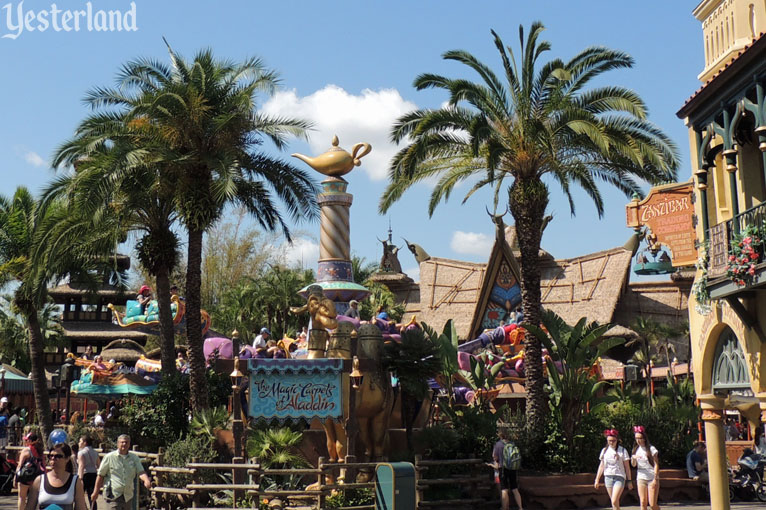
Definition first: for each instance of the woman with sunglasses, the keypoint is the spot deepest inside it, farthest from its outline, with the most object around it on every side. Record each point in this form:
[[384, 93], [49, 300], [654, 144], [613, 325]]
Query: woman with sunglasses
[[646, 458], [615, 466], [59, 487]]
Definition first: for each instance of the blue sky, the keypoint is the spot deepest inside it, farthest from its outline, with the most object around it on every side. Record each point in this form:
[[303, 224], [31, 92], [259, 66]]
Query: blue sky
[[348, 67]]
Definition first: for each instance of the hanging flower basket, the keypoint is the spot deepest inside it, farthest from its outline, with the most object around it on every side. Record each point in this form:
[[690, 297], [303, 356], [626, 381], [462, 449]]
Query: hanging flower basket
[[746, 251]]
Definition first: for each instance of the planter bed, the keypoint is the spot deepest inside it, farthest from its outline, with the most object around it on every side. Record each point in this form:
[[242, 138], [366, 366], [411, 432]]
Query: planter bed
[[577, 491]]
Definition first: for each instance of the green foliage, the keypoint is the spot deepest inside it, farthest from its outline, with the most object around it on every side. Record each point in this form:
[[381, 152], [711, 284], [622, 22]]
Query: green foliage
[[438, 442], [254, 302], [481, 378], [574, 347], [413, 361], [205, 422], [446, 349], [653, 338], [277, 448], [672, 430], [380, 296], [476, 431], [181, 452], [165, 413], [350, 497]]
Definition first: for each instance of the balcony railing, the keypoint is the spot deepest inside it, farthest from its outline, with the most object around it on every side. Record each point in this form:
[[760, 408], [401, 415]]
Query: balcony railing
[[720, 237]]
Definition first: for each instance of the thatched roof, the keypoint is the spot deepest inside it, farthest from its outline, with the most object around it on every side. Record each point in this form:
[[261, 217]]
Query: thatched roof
[[448, 290], [69, 290], [587, 286], [590, 286], [123, 350], [663, 301], [100, 332]]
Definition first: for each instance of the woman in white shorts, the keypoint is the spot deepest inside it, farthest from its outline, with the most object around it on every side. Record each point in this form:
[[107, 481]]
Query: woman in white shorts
[[615, 466], [645, 457]]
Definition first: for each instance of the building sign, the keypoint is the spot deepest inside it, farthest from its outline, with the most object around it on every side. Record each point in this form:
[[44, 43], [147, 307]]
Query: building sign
[[296, 389], [668, 214]]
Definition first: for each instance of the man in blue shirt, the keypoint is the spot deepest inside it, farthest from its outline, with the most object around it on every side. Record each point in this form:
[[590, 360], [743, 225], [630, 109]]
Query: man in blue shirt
[[696, 462]]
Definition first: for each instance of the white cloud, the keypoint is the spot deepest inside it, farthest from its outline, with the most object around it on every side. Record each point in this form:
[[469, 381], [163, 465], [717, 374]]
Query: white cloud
[[35, 159], [302, 253], [471, 243], [366, 117]]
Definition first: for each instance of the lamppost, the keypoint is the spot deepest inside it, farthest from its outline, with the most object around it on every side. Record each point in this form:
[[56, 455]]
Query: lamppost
[[236, 406]]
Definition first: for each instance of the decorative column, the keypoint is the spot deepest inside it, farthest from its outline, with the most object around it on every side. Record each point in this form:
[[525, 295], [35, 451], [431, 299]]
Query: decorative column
[[712, 416], [758, 109], [701, 175], [335, 274]]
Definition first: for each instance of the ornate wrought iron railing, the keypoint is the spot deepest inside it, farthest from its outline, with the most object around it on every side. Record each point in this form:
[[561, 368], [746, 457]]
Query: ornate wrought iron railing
[[721, 236]]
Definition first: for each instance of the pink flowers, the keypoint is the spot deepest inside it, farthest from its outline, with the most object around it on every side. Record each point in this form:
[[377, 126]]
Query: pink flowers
[[744, 257]]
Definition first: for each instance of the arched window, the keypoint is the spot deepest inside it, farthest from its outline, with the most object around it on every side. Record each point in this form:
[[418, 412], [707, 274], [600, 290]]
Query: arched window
[[729, 365]]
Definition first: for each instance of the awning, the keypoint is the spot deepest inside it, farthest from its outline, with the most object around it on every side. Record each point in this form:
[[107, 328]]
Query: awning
[[16, 382]]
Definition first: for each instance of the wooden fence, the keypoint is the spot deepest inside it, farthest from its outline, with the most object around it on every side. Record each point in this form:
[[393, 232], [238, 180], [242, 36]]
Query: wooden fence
[[475, 481]]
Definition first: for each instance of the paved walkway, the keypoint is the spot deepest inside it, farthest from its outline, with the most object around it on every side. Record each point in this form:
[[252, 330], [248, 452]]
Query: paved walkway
[[9, 503]]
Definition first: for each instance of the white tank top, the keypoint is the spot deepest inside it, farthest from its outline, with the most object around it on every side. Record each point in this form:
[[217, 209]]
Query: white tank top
[[57, 498]]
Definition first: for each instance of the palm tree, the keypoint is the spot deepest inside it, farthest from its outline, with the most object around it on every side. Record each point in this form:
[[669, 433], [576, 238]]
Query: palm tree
[[200, 127], [39, 245], [652, 337], [540, 125], [109, 181]]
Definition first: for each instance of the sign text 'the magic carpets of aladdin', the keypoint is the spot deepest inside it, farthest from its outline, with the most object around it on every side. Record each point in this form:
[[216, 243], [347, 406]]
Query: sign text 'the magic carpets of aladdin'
[[296, 389]]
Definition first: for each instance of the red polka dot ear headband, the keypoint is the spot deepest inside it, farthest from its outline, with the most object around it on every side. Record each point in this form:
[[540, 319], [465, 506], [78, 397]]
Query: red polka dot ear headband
[[611, 432], [639, 429]]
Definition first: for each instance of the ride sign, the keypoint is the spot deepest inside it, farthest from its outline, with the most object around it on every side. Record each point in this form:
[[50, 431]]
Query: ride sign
[[668, 211], [296, 389]]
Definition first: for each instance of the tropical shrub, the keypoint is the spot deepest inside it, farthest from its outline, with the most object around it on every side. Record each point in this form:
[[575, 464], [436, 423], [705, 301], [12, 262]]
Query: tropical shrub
[[165, 413], [182, 452], [277, 448], [350, 498]]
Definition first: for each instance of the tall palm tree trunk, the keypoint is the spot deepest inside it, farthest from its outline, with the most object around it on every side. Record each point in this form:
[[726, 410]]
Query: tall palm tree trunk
[[197, 379], [167, 335], [40, 383], [527, 200]]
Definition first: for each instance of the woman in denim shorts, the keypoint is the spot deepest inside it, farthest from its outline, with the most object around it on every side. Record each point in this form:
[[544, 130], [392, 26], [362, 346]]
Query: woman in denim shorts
[[615, 466]]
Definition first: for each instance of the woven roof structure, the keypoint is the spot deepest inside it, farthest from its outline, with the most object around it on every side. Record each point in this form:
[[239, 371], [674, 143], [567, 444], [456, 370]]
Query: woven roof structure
[[590, 285]]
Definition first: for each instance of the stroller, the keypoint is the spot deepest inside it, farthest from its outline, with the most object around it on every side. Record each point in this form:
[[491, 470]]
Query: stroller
[[7, 473], [748, 479]]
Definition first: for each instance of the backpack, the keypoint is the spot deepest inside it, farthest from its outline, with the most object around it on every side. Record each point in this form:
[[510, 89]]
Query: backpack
[[511, 456], [29, 471]]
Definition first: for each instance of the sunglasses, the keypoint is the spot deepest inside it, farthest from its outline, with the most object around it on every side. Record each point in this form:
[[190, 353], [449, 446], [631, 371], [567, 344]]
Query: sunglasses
[[55, 456]]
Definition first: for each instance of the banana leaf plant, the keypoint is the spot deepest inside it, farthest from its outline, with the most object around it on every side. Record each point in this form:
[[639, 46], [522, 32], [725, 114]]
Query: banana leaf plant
[[573, 385]]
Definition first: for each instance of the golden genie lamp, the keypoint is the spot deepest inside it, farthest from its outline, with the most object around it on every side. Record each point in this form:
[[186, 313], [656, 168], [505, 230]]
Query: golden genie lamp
[[336, 161]]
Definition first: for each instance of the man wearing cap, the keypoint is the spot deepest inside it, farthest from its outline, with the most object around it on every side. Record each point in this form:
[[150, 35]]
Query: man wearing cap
[[353, 309], [260, 340]]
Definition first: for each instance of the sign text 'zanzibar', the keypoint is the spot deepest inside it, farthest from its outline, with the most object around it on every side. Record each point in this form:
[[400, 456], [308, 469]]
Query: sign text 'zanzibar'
[[668, 212]]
